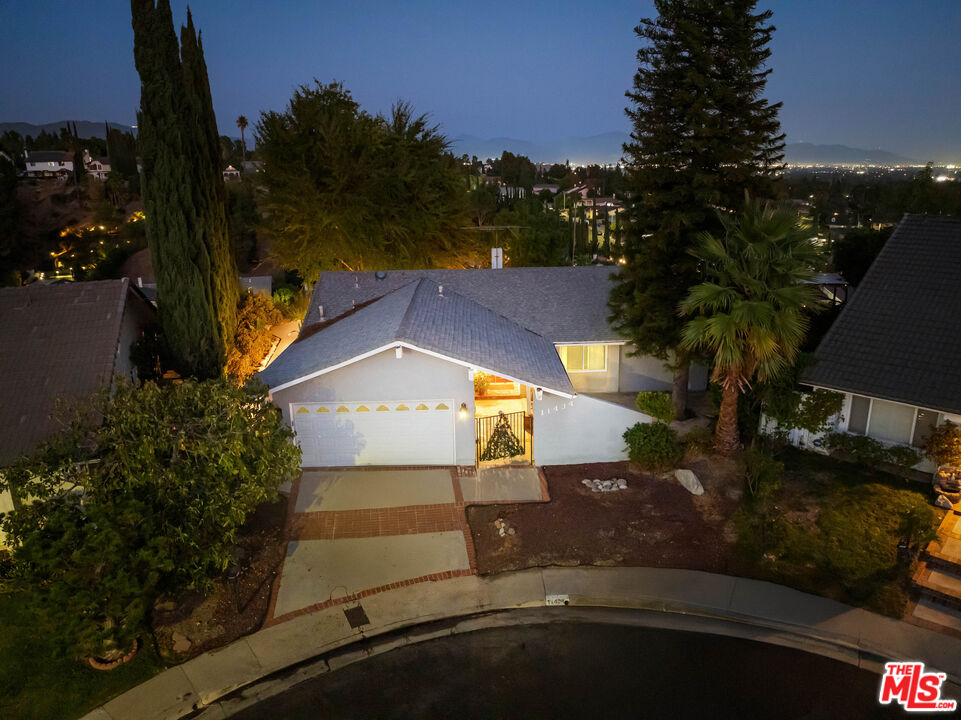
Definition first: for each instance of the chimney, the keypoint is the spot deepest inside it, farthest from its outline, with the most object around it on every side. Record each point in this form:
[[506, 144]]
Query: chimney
[[497, 258], [320, 311]]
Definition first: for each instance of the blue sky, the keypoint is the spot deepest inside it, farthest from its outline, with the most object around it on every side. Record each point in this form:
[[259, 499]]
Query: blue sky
[[871, 73]]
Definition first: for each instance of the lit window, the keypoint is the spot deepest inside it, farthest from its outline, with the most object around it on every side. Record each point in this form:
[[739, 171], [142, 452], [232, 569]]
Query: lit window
[[583, 358]]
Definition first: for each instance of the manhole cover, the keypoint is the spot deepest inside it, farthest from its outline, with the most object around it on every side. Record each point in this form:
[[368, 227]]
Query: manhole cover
[[356, 616]]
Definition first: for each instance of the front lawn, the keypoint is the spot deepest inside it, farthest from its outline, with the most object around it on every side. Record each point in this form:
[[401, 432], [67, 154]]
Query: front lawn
[[833, 530], [39, 682]]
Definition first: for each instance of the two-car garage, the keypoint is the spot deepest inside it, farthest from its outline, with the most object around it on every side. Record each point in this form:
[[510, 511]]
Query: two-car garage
[[411, 432]]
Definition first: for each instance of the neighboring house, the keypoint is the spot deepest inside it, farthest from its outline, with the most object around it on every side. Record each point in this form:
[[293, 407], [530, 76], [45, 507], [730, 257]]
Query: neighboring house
[[231, 173], [552, 188], [382, 373], [895, 349], [98, 167], [57, 343], [251, 167], [49, 163], [259, 284]]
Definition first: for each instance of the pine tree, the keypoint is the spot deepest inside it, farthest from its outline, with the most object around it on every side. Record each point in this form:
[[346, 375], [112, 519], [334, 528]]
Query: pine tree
[[183, 193], [703, 136]]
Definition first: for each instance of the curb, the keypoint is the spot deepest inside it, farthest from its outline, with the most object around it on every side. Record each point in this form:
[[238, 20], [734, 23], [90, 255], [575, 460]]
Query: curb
[[220, 683]]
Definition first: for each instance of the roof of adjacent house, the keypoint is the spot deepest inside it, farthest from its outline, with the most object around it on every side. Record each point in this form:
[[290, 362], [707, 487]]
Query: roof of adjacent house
[[424, 315], [563, 304], [56, 342], [36, 156], [899, 337]]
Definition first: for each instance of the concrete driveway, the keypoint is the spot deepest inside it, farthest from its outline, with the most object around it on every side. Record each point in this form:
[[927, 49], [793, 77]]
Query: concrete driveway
[[356, 532]]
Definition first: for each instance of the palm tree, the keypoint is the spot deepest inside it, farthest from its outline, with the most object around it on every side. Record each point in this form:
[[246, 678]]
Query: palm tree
[[750, 312], [242, 124]]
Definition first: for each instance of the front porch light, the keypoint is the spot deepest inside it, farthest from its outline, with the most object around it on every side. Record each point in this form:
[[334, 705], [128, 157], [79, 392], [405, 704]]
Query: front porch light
[[463, 410]]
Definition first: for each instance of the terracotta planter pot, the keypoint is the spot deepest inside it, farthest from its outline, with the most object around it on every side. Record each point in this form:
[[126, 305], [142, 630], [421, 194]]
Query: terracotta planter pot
[[101, 664]]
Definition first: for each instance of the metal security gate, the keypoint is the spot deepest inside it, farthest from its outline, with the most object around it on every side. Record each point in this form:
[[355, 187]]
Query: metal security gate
[[500, 436]]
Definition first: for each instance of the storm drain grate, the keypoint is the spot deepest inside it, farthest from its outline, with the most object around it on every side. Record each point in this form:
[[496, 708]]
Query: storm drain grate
[[356, 617]]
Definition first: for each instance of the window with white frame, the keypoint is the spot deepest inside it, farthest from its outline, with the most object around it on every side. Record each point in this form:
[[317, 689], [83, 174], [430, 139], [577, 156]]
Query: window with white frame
[[890, 422], [583, 358]]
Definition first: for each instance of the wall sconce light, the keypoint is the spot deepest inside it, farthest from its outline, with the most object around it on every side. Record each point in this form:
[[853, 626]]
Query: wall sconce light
[[399, 352], [538, 393], [463, 410]]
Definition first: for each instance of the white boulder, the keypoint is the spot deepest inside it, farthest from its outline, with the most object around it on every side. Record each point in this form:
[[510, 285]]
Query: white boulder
[[689, 481]]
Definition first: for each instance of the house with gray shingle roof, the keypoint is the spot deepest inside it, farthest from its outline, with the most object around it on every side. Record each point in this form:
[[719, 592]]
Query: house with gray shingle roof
[[895, 349], [49, 163], [384, 369]]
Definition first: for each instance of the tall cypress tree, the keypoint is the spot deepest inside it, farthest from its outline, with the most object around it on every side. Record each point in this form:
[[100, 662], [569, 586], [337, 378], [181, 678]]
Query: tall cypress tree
[[183, 192], [702, 137]]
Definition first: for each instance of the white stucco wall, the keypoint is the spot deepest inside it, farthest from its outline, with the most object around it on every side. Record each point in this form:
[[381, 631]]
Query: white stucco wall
[[643, 372], [383, 377], [136, 316], [581, 430]]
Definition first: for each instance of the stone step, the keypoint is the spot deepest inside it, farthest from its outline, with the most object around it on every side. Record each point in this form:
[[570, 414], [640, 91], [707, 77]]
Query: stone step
[[930, 611], [951, 526], [945, 552], [939, 584]]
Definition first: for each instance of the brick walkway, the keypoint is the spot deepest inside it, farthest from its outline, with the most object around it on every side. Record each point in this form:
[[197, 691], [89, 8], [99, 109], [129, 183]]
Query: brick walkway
[[376, 522]]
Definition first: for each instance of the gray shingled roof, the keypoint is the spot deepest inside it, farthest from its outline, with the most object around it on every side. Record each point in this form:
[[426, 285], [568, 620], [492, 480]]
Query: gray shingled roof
[[418, 314], [36, 156], [563, 304], [899, 337], [56, 341]]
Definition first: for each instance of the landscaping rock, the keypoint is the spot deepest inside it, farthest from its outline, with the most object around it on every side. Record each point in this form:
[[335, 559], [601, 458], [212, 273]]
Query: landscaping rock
[[605, 485], [689, 481], [180, 643], [943, 502]]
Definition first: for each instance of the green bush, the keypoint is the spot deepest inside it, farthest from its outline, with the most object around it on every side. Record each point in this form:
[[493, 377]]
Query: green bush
[[943, 445], [903, 455], [699, 440], [652, 445], [762, 474], [870, 452], [656, 404]]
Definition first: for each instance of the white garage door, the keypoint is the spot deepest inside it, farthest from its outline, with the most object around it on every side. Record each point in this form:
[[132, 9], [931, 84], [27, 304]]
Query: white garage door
[[413, 432]]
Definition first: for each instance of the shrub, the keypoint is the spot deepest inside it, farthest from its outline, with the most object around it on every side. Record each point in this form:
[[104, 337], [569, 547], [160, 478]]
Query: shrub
[[762, 474], [943, 445], [656, 404], [252, 339], [169, 475], [481, 383], [699, 440], [870, 452], [903, 455], [291, 302], [652, 445]]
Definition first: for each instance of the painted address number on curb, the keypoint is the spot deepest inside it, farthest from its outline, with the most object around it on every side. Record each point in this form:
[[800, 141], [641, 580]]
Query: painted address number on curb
[[557, 600]]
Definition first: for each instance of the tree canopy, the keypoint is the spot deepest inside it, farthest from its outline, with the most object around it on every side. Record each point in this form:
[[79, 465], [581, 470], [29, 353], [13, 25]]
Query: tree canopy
[[703, 135], [347, 189], [749, 313], [183, 192], [142, 494]]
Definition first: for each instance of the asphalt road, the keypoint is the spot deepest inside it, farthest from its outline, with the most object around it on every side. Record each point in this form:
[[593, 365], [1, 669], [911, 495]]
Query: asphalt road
[[585, 671]]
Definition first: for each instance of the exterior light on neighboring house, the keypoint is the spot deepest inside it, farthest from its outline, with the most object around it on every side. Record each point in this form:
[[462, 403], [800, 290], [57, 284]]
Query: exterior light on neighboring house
[[463, 410], [398, 352], [538, 393]]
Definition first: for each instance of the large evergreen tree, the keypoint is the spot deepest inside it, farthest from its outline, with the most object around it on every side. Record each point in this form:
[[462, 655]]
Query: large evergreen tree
[[183, 192], [703, 136]]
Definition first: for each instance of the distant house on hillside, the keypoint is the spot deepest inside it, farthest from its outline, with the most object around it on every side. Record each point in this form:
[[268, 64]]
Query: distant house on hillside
[[231, 173], [49, 163], [97, 167], [250, 167]]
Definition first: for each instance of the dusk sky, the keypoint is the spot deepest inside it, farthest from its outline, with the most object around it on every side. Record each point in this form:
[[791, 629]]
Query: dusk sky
[[878, 73]]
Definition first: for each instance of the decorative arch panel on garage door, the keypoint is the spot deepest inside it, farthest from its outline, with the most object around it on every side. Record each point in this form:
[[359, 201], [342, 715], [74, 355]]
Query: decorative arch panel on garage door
[[409, 432]]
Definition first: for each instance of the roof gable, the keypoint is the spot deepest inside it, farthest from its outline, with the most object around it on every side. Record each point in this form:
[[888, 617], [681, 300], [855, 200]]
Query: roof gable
[[899, 337], [426, 316]]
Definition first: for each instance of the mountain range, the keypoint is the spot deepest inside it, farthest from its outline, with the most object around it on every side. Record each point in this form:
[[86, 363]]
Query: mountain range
[[85, 128], [604, 149]]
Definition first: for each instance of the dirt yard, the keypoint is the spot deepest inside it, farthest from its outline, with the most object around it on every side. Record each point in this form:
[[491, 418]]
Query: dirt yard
[[654, 522], [194, 623]]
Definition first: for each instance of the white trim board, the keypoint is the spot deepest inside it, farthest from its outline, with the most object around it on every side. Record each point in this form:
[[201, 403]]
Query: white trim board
[[408, 346]]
